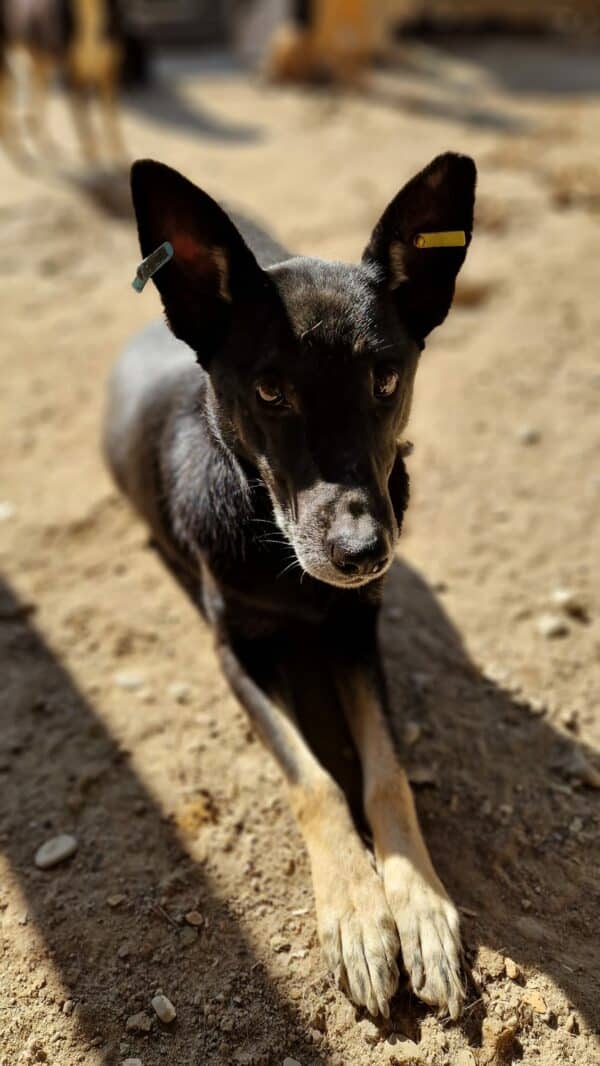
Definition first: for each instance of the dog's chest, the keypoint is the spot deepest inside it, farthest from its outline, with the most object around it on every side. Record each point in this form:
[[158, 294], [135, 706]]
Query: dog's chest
[[92, 55]]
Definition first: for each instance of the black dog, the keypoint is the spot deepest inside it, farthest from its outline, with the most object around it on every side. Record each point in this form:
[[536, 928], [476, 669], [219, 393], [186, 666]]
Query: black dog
[[272, 474]]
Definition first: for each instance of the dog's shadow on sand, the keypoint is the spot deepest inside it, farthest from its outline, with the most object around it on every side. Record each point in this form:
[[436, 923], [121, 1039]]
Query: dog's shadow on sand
[[496, 810], [501, 794]]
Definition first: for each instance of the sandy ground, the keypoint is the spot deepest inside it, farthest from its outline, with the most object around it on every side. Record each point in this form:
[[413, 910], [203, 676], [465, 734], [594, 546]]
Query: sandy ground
[[116, 726]]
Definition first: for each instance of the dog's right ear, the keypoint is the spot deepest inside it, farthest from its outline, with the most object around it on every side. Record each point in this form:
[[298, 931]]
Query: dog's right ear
[[212, 270]]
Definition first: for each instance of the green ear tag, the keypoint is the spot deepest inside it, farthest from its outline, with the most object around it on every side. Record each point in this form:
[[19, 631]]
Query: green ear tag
[[153, 262]]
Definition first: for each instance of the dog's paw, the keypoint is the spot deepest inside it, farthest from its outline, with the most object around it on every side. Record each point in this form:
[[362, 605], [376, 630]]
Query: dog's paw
[[359, 939], [428, 926]]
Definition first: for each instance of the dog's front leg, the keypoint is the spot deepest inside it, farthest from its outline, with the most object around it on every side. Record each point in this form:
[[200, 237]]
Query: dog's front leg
[[356, 927], [426, 919]]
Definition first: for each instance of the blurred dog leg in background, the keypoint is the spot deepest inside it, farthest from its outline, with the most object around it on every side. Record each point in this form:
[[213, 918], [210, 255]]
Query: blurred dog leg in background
[[93, 63], [82, 41], [332, 39]]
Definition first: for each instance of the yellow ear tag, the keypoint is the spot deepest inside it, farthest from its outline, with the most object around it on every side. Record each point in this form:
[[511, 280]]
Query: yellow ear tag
[[452, 238]]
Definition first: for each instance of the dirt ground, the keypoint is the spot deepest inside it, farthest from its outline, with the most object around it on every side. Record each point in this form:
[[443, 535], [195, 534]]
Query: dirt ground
[[116, 726]]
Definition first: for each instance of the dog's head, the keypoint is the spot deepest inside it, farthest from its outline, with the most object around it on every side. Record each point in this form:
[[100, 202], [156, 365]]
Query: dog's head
[[312, 363]]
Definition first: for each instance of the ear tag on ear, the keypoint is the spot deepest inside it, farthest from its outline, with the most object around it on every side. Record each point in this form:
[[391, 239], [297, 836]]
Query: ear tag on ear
[[451, 238], [153, 262]]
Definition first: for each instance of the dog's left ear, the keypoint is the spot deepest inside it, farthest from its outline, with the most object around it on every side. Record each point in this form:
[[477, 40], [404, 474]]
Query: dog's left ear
[[438, 201]]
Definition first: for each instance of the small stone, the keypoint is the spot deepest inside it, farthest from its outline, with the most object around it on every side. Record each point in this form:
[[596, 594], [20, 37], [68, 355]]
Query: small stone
[[194, 918], [128, 681], [132, 1062], [123, 951], [551, 626], [139, 1023], [291, 1062], [576, 825], [528, 435], [412, 732], [55, 850], [571, 1024], [369, 1031], [490, 962], [570, 602], [188, 936], [116, 900], [68, 1006], [7, 510], [279, 943], [164, 1009], [227, 1024], [535, 1000], [505, 813], [497, 674], [423, 776], [570, 720], [301, 953], [512, 970], [180, 691]]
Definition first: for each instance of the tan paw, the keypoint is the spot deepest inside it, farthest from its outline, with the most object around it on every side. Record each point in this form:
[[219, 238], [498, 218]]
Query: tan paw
[[428, 927], [359, 938]]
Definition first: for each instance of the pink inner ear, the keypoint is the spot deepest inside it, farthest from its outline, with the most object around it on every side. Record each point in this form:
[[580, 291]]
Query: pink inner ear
[[204, 265], [185, 247]]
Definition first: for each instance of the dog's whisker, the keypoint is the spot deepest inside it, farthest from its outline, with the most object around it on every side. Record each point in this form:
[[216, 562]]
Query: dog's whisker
[[310, 329], [290, 566]]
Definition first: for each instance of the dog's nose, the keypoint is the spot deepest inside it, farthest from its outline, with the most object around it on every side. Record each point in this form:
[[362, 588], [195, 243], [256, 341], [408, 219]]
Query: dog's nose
[[354, 557]]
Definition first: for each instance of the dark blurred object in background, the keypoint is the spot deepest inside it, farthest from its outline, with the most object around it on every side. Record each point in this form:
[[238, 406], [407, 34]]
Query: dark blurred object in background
[[502, 16], [315, 40], [189, 22]]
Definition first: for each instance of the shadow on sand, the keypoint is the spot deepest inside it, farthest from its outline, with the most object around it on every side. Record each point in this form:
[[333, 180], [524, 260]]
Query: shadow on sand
[[150, 859], [496, 820]]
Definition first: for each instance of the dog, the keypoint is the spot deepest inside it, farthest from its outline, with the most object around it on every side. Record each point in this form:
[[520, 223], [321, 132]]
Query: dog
[[87, 43], [332, 40], [260, 440]]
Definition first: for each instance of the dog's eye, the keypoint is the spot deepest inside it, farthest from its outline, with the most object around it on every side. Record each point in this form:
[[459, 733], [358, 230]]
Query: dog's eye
[[385, 383], [270, 393]]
